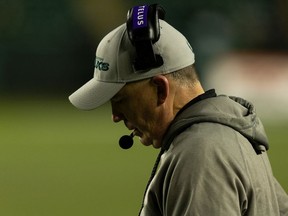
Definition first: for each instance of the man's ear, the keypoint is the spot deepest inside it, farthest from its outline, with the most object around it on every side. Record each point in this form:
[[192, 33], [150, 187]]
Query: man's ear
[[162, 86]]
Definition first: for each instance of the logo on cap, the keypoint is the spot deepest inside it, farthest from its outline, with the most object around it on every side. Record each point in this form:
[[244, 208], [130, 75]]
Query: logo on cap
[[101, 65]]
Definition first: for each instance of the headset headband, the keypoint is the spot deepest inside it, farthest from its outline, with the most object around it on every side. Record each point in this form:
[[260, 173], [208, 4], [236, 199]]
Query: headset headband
[[143, 31]]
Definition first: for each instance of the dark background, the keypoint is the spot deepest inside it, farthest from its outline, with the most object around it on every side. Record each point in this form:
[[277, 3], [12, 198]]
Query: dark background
[[48, 46]]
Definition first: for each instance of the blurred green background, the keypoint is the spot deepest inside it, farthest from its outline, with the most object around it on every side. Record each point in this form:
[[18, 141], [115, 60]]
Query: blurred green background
[[56, 160]]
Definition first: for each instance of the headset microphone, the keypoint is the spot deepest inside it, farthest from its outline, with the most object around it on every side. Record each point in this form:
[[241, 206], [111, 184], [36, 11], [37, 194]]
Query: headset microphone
[[126, 141]]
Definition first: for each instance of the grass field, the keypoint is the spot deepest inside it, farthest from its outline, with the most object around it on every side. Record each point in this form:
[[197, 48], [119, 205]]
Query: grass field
[[57, 161]]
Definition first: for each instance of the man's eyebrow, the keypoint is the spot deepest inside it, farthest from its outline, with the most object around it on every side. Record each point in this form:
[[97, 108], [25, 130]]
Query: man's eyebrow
[[117, 98]]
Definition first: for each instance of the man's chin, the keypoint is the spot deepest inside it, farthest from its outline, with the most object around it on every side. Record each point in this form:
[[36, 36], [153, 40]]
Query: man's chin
[[156, 145], [145, 141]]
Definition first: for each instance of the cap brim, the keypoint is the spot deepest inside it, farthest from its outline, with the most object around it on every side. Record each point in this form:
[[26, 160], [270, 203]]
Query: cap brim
[[94, 93]]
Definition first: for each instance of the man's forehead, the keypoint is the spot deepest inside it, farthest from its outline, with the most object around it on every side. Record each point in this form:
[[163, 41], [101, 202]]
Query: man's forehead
[[120, 94], [129, 88]]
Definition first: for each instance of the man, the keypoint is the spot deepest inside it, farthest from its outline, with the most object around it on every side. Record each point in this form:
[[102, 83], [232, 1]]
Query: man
[[213, 157]]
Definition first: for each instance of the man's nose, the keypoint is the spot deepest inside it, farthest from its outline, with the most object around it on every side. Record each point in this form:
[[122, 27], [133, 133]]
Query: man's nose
[[116, 117]]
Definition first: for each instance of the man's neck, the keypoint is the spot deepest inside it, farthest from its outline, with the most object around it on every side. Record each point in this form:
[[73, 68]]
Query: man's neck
[[184, 95]]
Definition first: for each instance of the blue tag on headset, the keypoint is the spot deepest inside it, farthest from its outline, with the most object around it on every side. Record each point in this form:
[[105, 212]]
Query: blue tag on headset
[[140, 16], [143, 29]]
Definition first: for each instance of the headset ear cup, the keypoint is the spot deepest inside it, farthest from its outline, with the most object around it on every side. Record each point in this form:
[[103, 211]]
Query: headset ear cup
[[143, 30]]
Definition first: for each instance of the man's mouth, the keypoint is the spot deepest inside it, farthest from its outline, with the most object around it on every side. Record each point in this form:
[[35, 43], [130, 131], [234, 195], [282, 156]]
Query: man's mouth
[[136, 132]]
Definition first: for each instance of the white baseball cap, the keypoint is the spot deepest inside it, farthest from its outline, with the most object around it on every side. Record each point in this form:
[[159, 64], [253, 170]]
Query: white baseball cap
[[114, 64]]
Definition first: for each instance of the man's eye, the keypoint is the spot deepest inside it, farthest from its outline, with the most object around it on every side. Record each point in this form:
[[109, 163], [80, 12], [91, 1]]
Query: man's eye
[[117, 100]]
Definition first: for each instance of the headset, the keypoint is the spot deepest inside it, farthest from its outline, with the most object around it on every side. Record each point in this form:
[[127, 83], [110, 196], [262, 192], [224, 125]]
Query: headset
[[143, 31]]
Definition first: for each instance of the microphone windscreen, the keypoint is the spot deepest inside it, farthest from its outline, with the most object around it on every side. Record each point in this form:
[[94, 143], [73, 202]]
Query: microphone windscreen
[[126, 142]]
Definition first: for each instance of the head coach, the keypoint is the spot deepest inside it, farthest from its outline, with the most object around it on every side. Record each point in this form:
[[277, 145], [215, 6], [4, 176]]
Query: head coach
[[212, 148]]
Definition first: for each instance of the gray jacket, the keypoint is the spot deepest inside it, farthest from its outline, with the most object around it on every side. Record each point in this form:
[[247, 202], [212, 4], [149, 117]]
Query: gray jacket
[[214, 163]]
